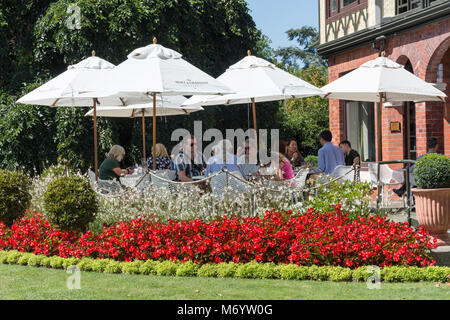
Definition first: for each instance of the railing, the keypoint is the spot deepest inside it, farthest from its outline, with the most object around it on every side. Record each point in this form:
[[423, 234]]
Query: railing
[[408, 164]]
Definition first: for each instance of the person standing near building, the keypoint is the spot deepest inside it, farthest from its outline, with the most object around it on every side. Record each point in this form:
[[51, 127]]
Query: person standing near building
[[330, 156], [351, 156]]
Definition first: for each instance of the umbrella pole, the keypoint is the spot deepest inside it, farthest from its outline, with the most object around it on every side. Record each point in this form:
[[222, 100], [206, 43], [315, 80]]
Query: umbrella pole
[[379, 151], [154, 132], [143, 135], [254, 119], [95, 141]]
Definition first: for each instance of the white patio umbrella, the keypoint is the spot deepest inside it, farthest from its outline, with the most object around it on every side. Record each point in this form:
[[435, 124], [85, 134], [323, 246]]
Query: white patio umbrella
[[381, 80], [166, 106], [257, 80], [74, 88], [155, 70]]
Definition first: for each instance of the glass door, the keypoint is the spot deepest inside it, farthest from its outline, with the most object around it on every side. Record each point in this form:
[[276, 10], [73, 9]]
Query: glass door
[[360, 127]]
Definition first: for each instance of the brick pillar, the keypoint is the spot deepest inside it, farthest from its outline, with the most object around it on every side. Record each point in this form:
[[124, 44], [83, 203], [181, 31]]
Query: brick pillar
[[393, 143], [337, 125]]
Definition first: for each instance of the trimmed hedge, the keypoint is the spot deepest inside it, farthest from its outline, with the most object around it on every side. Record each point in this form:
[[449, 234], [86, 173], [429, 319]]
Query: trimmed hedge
[[251, 270]]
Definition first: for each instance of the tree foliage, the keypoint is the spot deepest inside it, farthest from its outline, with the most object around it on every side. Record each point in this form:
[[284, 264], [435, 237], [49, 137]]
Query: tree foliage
[[304, 119], [307, 39]]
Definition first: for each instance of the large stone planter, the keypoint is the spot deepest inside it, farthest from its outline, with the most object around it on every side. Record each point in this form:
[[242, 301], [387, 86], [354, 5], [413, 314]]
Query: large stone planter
[[433, 212]]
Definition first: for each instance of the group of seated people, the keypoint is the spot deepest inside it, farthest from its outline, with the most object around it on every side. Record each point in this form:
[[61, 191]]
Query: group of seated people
[[190, 163]]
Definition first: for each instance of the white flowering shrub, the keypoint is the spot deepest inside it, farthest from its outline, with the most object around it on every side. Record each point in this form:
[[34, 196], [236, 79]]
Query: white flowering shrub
[[191, 202]]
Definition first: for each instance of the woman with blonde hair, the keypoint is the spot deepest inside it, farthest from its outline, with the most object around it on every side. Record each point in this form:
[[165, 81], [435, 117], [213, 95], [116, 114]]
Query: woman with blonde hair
[[163, 161], [110, 167]]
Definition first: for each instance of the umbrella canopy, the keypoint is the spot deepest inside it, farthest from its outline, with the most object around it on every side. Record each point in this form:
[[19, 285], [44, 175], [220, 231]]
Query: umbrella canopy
[[382, 76], [76, 88], [258, 80], [381, 80], [156, 70], [165, 107]]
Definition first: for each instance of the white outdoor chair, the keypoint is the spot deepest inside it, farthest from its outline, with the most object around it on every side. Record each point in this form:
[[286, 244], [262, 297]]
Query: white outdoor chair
[[91, 175], [343, 171], [388, 177], [109, 186], [219, 184], [167, 175]]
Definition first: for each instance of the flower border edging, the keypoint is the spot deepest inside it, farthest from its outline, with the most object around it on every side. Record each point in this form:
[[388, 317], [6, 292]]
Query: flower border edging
[[251, 270]]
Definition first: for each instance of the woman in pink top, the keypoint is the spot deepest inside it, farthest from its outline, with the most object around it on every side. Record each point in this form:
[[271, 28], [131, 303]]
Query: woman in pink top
[[285, 171]]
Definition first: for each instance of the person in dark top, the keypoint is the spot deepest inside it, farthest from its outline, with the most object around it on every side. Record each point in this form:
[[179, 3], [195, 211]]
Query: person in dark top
[[433, 147], [189, 162], [351, 156], [293, 154], [110, 167]]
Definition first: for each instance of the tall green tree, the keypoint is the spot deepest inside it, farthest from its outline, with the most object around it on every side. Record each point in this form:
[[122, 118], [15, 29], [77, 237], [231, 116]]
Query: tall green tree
[[211, 34], [17, 20]]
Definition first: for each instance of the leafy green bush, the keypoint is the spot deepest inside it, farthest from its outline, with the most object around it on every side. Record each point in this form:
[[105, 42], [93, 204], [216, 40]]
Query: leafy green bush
[[360, 274], [252, 270], [209, 270], [226, 270], [318, 273], [166, 268], [148, 267], [432, 171], [248, 270], [45, 262], [312, 160], [187, 269], [23, 260], [56, 262], [14, 195], [3, 257], [293, 272], [113, 267], [132, 267], [340, 274], [35, 260], [86, 264], [13, 256], [99, 265], [70, 203], [71, 262]]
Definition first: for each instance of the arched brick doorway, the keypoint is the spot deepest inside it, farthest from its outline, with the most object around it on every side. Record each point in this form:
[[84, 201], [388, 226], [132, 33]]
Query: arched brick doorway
[[437, 114]]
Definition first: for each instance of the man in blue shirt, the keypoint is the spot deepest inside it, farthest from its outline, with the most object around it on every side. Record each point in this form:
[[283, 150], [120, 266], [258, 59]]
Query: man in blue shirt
[[330, 156]]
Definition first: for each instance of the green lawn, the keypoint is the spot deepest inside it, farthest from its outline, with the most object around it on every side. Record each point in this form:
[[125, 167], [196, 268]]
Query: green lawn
[[23, 282]]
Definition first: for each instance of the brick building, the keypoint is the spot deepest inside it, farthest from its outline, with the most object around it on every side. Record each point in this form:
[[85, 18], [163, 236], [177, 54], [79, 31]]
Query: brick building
[[414, 33]]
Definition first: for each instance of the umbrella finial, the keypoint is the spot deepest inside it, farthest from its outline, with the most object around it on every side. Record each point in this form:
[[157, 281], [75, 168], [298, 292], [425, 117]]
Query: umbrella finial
[[249, 53], [93, 53], [155, 41]]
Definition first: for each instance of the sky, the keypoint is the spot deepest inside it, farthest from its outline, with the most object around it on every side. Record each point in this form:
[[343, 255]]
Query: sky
[[275, 17]]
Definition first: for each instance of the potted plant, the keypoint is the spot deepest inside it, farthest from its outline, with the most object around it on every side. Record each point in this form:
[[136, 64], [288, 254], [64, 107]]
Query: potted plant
[[432, 176]]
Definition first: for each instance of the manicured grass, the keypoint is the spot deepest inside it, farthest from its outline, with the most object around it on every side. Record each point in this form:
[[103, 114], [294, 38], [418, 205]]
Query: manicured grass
[[23, 282]]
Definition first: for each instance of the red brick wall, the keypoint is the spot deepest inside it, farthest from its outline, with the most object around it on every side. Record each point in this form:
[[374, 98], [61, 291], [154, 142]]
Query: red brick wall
[[425, 48]]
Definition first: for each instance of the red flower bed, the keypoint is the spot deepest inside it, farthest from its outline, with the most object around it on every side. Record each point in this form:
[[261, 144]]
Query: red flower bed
[[281, 237]]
